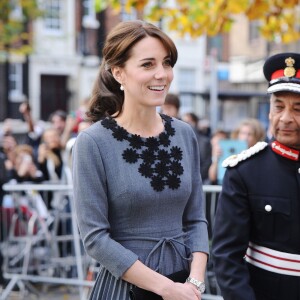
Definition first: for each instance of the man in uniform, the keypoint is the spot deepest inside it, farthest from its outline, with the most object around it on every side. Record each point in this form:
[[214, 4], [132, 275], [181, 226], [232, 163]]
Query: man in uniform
[[256, 238]]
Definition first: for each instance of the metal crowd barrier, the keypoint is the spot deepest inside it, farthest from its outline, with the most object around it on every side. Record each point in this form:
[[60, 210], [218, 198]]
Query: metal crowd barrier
[[40, 242]]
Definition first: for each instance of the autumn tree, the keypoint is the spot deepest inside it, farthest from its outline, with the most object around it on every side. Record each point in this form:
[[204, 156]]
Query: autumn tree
[[279, 19], [15, 38], [15, 19]]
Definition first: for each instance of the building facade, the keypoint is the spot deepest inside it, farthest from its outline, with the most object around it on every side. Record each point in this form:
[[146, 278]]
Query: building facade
[[219, 78]]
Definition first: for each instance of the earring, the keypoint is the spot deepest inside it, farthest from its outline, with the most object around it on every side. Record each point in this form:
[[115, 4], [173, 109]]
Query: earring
[[121, 87]]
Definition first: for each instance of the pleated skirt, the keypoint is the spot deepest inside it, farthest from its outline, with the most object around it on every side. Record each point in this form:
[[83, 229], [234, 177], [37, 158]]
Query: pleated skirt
[[107, 287], [164, 255]]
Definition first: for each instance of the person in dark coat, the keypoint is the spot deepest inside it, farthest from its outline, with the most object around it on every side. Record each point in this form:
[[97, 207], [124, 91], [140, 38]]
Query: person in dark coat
[[256, 238], [204, 145]]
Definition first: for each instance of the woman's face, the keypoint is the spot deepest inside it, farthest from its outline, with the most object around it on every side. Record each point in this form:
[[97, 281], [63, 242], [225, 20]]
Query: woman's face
[[246, 133], [23, 158], [51, 139], [147, 74]]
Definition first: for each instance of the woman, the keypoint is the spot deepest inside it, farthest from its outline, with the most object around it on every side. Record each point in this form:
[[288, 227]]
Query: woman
[[50, 155], [137, 188], [249, 130], [24, 168]]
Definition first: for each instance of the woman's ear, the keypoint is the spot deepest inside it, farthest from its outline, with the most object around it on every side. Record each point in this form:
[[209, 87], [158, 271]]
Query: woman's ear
[[116, 72]]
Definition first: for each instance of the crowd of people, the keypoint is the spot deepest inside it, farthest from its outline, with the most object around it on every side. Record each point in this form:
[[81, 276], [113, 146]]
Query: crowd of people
[[43, 153], [148, 227], [39, 155]]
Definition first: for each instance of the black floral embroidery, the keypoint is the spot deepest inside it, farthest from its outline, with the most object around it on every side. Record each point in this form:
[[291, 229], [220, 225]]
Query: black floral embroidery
[[176, 152], [176, 168], [136, 141], [152, 143], [169, 129], [161, 168], [164, 139], [173, 182], [148, 156], [130, 156], [159, 162], [163, 155], [108, 123], [157, 183], [146, 170], [119, 133]]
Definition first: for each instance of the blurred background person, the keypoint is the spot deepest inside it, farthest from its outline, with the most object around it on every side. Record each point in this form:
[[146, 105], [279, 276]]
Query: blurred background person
[[23, 167], [249, 130], [35, 129], [50, 155], [204, 127], [58, 120], [67, 124], [171, 106], [204, 145], [216, 152]]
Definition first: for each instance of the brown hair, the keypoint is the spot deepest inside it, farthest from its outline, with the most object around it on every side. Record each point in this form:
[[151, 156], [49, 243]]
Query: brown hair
[[107, 98], [23, 148], [258, 129], [172, 99]]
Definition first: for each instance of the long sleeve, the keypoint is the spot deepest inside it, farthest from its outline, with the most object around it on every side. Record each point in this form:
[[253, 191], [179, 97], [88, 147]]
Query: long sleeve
[[91, 204], [230, 239]]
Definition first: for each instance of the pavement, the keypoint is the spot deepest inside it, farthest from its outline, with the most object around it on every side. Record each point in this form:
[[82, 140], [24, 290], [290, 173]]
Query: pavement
[[48, 292]]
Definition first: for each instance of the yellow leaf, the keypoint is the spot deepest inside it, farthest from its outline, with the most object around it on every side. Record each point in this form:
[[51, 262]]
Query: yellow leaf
[[290, 36], [286, 3], [128, 6], [258, 9], [273, 23], [173, 25], [236, 7], [288, 18], [140, 5], [183, 20], [116, 5], [266, 33], [227, 25]]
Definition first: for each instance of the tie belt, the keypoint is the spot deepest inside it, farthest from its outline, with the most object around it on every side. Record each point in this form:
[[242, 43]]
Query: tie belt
[[161, 244], [273, 260]]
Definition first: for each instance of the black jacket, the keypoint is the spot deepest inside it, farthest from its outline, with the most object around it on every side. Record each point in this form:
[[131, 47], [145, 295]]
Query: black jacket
[[265, 178]]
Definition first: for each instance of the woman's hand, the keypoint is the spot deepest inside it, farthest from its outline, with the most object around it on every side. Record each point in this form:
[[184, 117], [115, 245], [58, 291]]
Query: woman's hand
[[42, 153], [181, 291]]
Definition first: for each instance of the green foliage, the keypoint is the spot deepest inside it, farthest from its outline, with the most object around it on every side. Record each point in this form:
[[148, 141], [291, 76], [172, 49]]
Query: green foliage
[[15, 36], [279, 19]]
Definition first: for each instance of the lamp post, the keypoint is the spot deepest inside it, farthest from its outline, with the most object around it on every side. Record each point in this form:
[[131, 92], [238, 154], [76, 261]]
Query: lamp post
[[214, 106]]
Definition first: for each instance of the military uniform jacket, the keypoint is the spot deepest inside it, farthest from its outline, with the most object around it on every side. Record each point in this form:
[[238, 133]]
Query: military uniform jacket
[[259, 202]]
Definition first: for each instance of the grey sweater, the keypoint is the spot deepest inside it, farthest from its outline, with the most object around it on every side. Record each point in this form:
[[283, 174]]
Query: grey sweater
[[125, 205]]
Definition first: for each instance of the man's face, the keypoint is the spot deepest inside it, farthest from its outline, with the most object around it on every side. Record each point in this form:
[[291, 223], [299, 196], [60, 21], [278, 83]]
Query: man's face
[[284, 118]]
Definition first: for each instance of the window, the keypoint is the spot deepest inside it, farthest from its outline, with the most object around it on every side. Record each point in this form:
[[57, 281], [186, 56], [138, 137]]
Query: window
[[52, 17], [186, 79], [216, 43], [89, 15], [253, 30], [16, 12], [15, 81]]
